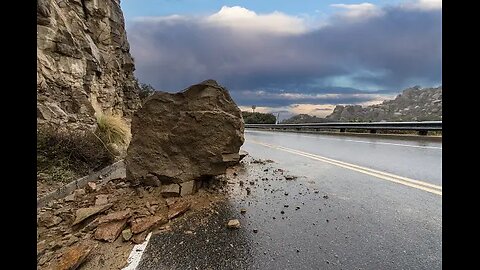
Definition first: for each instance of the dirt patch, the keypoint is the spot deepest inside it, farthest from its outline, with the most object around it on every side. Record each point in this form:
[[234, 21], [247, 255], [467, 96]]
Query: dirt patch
[[109, 255], [46, 187]]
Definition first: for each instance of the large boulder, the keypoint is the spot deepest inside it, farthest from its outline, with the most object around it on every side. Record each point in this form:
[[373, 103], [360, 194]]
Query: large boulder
[[190, 135]]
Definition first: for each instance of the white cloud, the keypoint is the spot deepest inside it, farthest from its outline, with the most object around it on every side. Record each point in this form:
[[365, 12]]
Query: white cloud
[[313, 109], [260, 109], [319, 110], [340, 96], [423, 4], [242, 50], [359, 11], [175, 18], [241, 18]]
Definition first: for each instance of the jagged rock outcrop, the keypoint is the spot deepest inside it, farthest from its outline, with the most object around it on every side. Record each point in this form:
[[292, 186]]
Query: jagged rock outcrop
[[185, 136], [83, 62], [414, 104]]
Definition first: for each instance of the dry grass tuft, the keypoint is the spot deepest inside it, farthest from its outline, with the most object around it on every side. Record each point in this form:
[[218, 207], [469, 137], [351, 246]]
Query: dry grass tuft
[[113, 129]]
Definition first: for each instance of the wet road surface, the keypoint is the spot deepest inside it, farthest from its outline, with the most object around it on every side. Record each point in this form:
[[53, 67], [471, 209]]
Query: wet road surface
[[415, 159], [333, 217]]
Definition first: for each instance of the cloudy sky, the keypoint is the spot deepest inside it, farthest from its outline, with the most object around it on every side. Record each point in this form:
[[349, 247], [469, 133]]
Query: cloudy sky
[[288, 56]]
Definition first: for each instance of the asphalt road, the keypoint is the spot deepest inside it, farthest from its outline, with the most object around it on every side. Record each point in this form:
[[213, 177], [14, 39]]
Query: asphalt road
[[358, 203]]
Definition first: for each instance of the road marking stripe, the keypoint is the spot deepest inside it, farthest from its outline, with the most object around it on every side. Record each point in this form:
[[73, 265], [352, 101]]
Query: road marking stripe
[[382, 175], [136, 254], [372, 170], [394, 144], [346, 140], [364, 168], [385, 174]]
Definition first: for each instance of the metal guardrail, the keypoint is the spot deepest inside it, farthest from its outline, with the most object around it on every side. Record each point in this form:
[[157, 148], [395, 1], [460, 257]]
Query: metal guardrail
[[422, 127]]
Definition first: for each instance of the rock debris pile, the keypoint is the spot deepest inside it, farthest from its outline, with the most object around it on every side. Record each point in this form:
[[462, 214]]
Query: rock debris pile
[[69, 229]]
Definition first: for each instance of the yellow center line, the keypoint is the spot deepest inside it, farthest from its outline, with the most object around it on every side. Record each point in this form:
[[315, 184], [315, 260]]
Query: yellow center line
[[379, 174], [371, 170]]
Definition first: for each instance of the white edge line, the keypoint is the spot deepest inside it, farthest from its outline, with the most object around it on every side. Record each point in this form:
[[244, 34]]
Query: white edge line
[[378, 174], [136, 254]]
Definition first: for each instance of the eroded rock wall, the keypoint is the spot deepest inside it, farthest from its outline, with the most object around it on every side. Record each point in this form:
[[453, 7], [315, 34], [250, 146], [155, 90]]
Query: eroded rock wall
[[83, 62]]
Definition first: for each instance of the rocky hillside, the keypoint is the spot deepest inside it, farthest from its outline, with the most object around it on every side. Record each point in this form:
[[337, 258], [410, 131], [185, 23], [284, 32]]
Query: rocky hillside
[[413, 104], [83, 62], [304, 118]]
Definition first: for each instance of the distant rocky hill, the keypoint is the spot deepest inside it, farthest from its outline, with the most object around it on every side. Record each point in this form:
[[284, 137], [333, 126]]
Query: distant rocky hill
[[305, 118], [413, 104]]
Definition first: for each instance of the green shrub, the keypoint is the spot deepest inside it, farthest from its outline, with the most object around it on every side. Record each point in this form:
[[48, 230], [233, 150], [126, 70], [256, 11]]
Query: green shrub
[[146, 90], [258, 118]]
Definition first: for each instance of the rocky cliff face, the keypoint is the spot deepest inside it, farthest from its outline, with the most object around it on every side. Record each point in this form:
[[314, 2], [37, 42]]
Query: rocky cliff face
[[83, 62], [414, 104]]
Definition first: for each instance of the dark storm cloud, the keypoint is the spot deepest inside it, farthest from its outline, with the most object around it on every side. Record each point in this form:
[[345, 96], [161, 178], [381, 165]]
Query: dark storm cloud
[[400, 48]]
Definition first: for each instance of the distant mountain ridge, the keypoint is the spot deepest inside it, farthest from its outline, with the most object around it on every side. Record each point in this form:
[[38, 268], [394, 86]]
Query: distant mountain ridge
[[413, 104], [305, 118]]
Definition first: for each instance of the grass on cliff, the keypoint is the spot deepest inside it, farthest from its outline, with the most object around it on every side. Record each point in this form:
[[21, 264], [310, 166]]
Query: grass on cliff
[[63, 156], [113, 129]]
